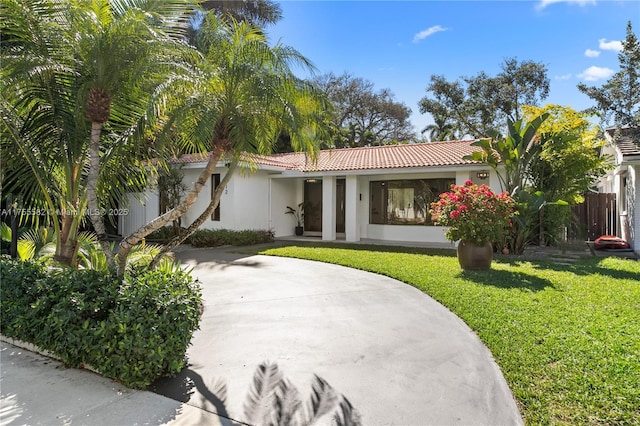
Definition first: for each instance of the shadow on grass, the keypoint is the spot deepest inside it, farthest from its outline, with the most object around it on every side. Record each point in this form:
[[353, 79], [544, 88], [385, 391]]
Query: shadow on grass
[[507, 279], [583, 267]]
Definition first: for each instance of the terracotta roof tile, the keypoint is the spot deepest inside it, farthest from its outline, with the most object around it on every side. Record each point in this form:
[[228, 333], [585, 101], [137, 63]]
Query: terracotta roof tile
[[367, 158], [384, 157]]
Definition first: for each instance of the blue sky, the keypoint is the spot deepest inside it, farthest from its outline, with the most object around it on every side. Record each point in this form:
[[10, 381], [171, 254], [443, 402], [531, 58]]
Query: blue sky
[[400, 44]]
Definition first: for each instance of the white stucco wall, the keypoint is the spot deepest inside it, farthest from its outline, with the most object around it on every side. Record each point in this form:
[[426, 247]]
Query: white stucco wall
[[138, 211], [243, 205], [284, 192]]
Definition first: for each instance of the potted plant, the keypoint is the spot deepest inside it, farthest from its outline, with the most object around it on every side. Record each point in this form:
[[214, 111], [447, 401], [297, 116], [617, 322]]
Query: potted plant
[[477, 217], [298, 214]]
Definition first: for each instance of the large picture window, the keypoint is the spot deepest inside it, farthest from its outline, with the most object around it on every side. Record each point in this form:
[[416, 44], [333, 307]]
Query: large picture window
[[405, 202]]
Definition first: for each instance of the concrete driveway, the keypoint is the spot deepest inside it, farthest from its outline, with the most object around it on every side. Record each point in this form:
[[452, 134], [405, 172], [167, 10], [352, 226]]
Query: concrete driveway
[[396, 354]]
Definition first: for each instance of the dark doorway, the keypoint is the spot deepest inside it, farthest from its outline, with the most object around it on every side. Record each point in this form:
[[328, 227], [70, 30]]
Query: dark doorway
[[340, 198], [313, 205]]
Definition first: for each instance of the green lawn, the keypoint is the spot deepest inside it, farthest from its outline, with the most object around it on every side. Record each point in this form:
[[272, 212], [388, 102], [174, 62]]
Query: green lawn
[[567, 338]]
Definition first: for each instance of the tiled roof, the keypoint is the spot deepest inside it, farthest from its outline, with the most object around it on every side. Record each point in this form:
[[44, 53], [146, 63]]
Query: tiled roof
[[627, 140], [367, 158]]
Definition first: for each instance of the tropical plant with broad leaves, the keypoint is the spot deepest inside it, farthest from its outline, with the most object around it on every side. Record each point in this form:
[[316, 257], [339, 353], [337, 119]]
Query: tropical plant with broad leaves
[[511, 157], [39, 244]]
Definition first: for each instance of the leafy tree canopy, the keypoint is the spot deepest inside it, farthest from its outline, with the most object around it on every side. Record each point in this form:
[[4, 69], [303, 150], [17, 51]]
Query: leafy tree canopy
[[362, 116], [480, 105], [569, 162], [619, 98]]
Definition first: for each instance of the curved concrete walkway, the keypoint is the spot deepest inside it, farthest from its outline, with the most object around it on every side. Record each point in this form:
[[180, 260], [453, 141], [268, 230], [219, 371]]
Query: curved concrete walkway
[[400, 357]]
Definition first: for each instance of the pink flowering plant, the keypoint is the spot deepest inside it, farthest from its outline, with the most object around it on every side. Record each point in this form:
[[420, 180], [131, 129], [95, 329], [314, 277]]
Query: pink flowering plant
[[474, 213]]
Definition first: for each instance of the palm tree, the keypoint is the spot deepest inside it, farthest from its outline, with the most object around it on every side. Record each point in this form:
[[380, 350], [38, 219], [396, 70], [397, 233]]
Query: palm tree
[[440, 130], [245, 95], [39, 129], [122, 50], [81, 82]]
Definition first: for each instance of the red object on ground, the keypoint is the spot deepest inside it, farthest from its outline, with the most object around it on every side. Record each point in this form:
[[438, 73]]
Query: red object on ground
[[610, 242]]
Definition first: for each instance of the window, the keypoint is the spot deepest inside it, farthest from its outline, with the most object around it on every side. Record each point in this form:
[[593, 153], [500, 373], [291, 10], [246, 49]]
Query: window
[[215, 183], [405, 202]]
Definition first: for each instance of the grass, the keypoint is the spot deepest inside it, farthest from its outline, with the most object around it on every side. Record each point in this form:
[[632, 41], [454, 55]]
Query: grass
[[567, 338]]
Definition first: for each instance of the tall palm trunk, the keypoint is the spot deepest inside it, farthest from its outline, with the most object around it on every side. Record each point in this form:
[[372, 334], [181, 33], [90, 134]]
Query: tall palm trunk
[[66, 246], [179, 238], [127, 243], [95, 213]]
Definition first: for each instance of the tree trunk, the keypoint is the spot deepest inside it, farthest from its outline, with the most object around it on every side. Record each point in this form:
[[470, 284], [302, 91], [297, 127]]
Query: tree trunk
[[178, 239], [66, 246], [127, 243], [95, 214]]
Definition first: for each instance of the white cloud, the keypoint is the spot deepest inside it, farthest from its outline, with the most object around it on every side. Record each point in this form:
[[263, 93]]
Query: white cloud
[[426, 33], [610, 45], [589, 53], [596, 73], [545, 3], [563, 77]]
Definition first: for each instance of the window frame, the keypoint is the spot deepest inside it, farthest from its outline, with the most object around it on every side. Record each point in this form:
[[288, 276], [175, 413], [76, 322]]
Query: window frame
[[385, 191]]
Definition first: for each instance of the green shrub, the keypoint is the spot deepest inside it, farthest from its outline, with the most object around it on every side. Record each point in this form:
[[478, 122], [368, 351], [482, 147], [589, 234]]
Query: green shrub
[[21, 284], [164, 234], [224, 237], [134, 330]]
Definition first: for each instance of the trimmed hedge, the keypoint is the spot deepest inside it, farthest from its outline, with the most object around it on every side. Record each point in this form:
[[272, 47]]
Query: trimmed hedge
[[134, 330], [164, 235], [224, 237]]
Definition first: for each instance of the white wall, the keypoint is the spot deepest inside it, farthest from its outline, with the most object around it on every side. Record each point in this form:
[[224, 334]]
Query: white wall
[[244, 204], [411, 233], [284, 192], [250, 194], [138, 211]]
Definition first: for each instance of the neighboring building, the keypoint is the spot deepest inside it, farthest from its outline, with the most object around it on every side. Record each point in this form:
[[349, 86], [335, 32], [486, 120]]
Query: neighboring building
[[379, 193], [624, 181]]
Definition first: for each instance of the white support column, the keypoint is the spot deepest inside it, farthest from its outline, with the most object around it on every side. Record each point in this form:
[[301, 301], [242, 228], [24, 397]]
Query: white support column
[[634, 208], [328, 208], [351, 207]]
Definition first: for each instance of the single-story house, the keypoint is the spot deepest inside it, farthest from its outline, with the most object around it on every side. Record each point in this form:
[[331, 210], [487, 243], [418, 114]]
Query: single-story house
[[624, 181], [377, 193]]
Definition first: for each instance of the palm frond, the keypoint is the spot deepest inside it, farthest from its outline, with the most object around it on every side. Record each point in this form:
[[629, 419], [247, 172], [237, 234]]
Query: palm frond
[[347, 416], [36, 242], [266, 379], [286, 403], [323, 400]]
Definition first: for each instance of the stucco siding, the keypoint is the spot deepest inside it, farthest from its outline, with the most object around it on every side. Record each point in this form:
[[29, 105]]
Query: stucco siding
[[284, 192], [633, 214]]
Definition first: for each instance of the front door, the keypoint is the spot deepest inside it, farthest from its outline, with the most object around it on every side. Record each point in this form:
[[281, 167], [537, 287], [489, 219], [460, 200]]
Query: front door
[[340, 196], [313, 205]]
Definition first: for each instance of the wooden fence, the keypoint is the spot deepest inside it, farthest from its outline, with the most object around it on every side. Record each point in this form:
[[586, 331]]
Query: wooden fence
[[595, 217]]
